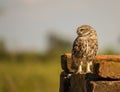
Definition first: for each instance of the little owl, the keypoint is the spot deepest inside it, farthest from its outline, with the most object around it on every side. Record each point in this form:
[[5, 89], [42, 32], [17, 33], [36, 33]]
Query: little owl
[[84, 48]]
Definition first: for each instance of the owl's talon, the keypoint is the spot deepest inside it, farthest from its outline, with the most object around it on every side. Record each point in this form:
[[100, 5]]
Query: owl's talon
[[88, 67], [80, 71], [89, 71]]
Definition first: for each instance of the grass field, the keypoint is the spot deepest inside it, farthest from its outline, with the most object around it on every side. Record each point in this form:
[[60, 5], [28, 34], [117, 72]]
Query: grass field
[[29, 77]]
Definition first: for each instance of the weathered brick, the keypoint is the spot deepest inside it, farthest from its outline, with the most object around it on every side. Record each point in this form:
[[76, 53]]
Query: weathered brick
[[66, 60], [105, 76], [104, 86], [78, 83], [107, 69], [86, 83], [64, 82], [66, 63]]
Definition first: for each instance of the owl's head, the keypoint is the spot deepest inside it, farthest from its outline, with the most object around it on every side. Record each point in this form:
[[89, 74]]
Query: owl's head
[[84, 30]]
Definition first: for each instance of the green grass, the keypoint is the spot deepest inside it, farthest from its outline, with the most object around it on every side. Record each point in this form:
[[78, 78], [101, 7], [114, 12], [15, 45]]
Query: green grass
[[29, 77]]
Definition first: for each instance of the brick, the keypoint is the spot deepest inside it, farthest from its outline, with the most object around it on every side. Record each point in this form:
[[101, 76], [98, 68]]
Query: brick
[[64, 82], [104, 86], [66, 63], [100, 57], [107, 69], [86, 83], [66, 60], [78, 83], [105, 76]]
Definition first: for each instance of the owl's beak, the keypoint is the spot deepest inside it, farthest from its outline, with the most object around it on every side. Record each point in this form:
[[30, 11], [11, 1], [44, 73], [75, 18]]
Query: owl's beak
[[80, 34]]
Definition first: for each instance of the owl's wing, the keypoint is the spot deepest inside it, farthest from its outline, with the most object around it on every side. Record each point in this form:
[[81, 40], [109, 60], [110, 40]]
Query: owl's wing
[[79, 47], [93, 47], [78, 52]]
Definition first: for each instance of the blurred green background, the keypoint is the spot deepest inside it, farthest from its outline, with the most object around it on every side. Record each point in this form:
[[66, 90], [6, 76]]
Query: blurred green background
[[32, 71]]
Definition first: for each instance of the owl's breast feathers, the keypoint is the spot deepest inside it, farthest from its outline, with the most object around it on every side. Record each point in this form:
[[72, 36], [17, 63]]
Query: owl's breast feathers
[[85, 48]]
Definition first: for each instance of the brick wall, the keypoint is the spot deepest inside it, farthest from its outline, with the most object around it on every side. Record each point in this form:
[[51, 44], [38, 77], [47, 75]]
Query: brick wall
[[105, 76]]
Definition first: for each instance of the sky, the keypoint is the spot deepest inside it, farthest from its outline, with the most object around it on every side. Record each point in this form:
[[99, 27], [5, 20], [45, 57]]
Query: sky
[[25, 24]]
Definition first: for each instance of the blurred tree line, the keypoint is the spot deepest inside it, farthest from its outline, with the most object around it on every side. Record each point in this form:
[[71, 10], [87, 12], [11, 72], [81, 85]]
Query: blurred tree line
[[57, 44]]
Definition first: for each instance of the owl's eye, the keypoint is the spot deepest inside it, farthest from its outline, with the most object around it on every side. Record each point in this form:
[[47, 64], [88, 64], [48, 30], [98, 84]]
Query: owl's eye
[[82, 30]]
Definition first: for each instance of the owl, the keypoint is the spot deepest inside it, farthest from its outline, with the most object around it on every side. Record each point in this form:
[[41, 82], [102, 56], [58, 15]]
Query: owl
[[84, 49]]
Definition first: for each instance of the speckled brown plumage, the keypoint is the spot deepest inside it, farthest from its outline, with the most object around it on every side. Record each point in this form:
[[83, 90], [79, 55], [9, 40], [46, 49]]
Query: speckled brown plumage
[[85, 47]]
